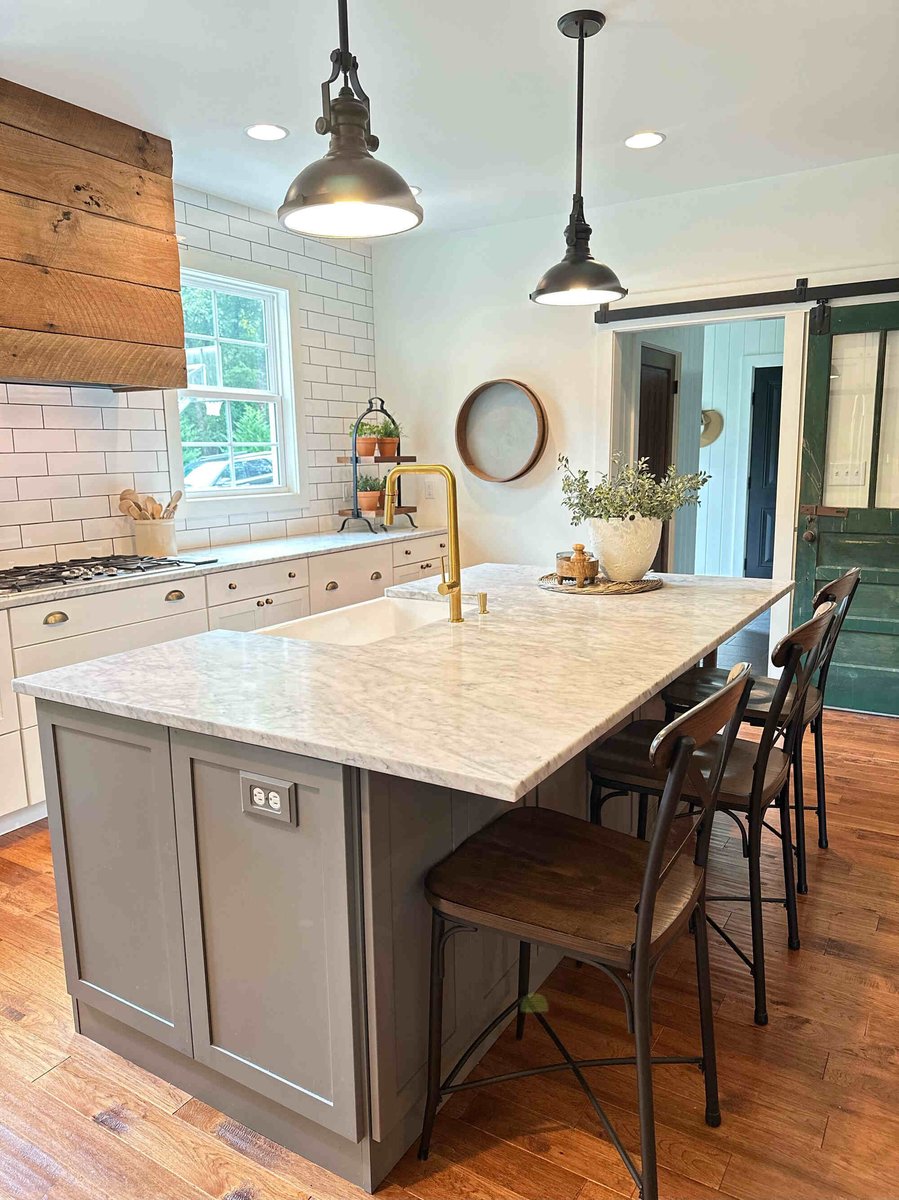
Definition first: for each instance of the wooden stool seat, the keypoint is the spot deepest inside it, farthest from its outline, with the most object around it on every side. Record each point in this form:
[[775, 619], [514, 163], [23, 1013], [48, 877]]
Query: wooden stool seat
[[699, 683], [544, 876]]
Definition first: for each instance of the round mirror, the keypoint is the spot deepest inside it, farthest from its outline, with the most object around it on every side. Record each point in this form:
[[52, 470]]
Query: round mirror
[[500, 430]]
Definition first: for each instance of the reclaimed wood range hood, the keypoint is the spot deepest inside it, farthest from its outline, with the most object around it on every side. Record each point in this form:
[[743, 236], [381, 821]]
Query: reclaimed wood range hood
[[89, 273]]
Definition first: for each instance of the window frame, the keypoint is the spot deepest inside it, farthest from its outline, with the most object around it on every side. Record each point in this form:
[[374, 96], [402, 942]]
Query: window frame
[[279, 291]]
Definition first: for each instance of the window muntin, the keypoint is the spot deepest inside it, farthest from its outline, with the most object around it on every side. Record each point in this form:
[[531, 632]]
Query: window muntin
[[233, 420]]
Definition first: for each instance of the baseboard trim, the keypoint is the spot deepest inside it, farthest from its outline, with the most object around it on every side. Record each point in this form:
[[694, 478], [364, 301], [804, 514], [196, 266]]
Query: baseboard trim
[[22, 816]]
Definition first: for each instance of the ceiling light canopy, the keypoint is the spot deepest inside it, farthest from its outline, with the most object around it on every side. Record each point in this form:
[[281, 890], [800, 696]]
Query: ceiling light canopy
[[579, 278], [644, 139], [348, 193], [266, 133]]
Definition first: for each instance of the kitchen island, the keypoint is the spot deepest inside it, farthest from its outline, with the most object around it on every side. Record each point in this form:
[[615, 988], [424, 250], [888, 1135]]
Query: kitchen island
[[241, 824]]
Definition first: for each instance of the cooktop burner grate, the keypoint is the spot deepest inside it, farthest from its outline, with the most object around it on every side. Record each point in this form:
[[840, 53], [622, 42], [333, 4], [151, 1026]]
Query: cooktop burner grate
[[86, 570]]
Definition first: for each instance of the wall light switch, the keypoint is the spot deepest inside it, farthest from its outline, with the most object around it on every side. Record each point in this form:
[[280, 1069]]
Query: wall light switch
[[272, 798]]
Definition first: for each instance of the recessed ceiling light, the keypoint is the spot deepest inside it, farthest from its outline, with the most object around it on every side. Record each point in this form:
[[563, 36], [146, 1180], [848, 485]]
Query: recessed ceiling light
[[645, 139], [266, 133]]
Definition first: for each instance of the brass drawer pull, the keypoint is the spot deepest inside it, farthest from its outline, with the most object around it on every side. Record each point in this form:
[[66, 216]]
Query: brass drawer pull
[[175, 595], [291, 574], [55, 618], [376, 575], [269, 600], [260, 603], [332, 586], [425, 566], [443, 545], [407, 552], [232, 587]]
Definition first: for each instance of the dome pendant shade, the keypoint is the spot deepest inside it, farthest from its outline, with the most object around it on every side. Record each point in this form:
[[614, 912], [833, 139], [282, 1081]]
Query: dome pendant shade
[[348, 193], [579, 278]]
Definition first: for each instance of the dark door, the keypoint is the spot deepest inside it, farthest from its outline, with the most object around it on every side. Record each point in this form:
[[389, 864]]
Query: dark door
[[762, 494], [656, 423], [849, 495]]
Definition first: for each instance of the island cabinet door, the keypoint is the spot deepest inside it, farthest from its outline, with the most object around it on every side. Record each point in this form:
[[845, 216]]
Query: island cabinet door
[[270, 918], [112, 827]]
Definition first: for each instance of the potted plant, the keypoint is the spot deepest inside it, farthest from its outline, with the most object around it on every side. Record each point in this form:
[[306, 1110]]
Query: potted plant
[[625, 510], [368, 492], [389, 438], [366, 438]]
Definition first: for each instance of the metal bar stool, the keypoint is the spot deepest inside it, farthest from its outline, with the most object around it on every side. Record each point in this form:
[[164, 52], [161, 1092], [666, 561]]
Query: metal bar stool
[[756, 778], [546, 878], [700, 682]]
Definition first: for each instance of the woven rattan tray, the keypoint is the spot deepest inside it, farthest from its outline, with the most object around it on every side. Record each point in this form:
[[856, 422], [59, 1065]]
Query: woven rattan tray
[[602, 587]]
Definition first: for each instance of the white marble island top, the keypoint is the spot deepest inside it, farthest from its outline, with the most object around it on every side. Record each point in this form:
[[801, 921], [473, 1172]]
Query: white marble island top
[[492, 706]]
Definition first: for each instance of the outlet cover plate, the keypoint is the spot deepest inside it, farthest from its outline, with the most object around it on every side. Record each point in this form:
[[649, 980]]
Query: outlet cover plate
[[275, 799]]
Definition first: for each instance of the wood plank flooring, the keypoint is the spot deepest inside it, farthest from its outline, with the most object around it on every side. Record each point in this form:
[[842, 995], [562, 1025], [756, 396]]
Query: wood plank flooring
[[809, 1103]]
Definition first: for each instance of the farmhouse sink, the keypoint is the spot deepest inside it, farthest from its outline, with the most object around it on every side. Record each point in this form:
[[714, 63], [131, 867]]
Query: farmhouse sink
[[361, 624]]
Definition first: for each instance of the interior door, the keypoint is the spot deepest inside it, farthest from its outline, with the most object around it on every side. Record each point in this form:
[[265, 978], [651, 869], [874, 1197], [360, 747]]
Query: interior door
[[656, 424], [764, 437], [849, 494]]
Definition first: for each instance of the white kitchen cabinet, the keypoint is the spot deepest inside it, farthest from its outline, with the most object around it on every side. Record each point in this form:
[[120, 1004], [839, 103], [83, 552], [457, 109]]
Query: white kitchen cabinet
[[9, 713], [34, 773], [12, 771], [349, 577], [419, 550], [258, 612]]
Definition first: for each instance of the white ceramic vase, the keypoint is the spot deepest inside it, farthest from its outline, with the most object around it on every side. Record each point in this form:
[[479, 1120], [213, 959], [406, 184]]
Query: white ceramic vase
[[625, 546]]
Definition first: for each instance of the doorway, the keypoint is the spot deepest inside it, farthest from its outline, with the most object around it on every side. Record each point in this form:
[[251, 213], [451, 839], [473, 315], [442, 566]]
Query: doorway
[[655, 430]]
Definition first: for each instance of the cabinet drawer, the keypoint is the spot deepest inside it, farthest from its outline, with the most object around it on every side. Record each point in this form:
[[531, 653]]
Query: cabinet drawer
[[46, 655], [416, 570], [349, 577], [9, 712], [225, 586], [66, 618], [421, 549], [258, 612]]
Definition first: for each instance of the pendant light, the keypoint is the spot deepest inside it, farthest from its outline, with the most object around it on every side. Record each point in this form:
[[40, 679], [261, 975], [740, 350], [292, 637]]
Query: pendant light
[[578, 278], [348, 193]]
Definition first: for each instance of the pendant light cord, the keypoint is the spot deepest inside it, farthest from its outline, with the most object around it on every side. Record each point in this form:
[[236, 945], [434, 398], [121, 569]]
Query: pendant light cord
[[344, 23], [579, 149]]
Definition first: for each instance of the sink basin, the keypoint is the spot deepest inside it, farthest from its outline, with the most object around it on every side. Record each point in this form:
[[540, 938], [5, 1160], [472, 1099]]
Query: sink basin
[[361, 624]]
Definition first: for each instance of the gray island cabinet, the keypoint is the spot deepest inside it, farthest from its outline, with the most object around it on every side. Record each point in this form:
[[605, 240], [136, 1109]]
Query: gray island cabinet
[[240, 837], [276, 968]]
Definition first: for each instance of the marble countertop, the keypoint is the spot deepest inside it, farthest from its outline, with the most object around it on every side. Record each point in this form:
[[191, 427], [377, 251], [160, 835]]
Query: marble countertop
[[238, 554], [491, 706]]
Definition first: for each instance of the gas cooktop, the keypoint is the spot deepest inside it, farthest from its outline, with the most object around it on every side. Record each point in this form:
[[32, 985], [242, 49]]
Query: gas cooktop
[[87, 570]]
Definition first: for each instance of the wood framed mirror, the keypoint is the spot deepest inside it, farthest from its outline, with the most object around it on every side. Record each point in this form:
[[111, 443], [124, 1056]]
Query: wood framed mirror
[[501, 430]]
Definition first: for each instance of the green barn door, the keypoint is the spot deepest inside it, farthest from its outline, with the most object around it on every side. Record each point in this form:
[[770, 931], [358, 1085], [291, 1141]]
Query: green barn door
[[849, 495]]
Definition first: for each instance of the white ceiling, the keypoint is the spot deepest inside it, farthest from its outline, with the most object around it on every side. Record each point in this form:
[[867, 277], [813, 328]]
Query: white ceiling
[[474, 99]]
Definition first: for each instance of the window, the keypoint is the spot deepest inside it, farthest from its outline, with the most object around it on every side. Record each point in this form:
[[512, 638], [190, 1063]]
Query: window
[[236, 415]]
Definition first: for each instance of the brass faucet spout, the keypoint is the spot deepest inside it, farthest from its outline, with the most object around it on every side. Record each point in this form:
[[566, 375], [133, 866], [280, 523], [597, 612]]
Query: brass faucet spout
[[451, 587]]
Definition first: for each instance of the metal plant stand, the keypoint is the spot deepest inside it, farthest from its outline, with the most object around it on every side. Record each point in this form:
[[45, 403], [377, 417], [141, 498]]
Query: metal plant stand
[[375, 406]]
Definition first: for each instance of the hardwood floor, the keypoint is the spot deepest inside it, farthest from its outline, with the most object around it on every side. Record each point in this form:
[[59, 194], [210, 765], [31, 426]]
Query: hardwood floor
[[809, 1102]]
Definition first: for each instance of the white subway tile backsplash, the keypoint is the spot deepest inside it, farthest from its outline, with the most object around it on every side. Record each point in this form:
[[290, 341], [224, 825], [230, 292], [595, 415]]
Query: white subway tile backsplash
[[103, 439], [98, 398], [51, 533], [223, 243], [269, 255], [75, 417], [75, 464], [22, 464], [27, 558], [107, 484], [190, 196], [38, 393], [130, 418], [83, 550], [43, 439], [144, 399], [129, 461], [206, 218], [22, 416], [79, 507], [320, 250], [148, 439], [220, 204], [25, 512], [106, 527]]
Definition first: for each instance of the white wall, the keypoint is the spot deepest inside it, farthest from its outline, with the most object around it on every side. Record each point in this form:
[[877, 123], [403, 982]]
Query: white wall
[[453, 310], [732, 350]]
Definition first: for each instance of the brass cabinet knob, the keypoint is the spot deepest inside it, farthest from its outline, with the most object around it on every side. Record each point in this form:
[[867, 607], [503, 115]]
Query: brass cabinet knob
[[232, 587], [175, 595], [376, 575], [407, 552], [426, 566], [269, 600], [260, 603], [291, 574], [332, 586], [442, 545], [56, 618]]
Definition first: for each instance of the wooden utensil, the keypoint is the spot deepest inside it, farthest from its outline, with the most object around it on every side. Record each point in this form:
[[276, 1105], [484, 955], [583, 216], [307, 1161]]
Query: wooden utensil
[[172, 505]]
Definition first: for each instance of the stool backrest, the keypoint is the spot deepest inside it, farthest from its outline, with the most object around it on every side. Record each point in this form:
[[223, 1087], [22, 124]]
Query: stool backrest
[[798, 654], [716, 720], [840, 592]]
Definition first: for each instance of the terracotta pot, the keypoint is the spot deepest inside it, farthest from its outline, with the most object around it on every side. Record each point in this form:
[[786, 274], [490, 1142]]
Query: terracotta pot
[[369, 501], [365, 446], [626, 546], [387, 447]]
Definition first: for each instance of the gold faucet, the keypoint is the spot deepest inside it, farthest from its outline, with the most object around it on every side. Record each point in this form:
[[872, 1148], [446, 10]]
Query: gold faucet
[[451, 587]]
